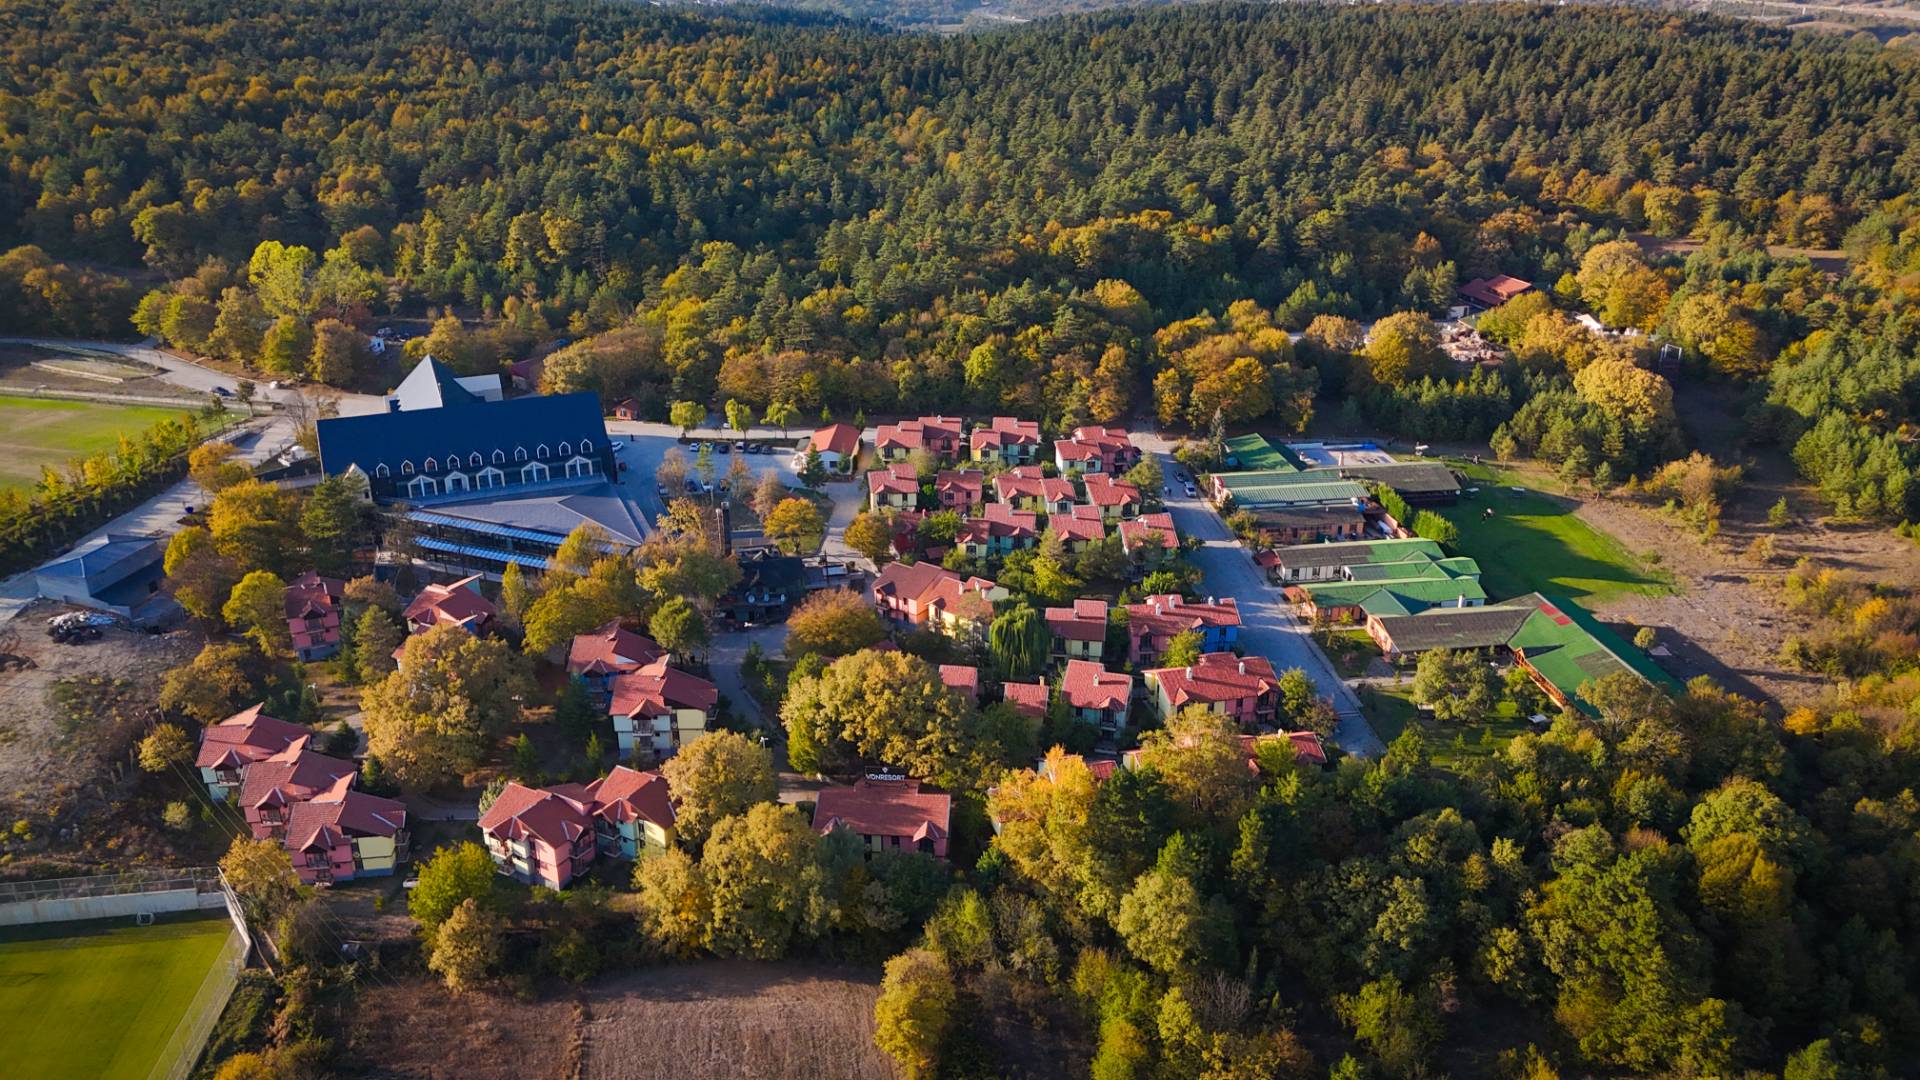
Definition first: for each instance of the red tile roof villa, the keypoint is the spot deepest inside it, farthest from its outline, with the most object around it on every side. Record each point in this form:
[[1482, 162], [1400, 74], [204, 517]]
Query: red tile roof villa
[[1086, 620], [890, 815]]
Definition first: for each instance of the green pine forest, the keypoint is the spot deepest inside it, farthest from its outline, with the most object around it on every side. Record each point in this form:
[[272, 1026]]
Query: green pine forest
[[1127, 215]]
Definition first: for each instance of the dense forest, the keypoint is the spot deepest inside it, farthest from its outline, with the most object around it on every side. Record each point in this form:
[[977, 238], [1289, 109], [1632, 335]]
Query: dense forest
[[1128, 214], [789, 208]]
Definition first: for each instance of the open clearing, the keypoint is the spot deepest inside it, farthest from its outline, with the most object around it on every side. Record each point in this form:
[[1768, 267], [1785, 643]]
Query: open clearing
[[709, 1020], [725, 1019], [1533, 542], [45, 431], [66, 711], [99, 999]]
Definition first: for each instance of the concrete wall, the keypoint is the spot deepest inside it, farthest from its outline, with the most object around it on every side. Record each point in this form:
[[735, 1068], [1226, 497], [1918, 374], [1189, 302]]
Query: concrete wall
[[29, 912]]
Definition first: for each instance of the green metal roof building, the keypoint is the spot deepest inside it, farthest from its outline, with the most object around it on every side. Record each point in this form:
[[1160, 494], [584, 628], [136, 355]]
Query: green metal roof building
[[1563, 646], [1275, 488], [1253, 453], [1406, 587]]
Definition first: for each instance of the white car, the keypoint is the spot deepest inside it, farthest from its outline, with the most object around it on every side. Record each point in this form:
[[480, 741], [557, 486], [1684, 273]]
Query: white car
[[617, 445], [1190, 492]]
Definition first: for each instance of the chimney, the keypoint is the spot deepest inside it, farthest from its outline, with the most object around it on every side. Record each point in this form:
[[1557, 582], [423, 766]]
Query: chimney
[[1243, 667]]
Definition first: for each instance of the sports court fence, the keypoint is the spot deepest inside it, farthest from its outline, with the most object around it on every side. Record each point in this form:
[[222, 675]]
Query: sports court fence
[[182, 1049], [141, 894]]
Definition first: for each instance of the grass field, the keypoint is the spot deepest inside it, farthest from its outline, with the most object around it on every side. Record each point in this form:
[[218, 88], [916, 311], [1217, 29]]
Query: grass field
[[99, 999], [1391, 709], [45, 431], [1534, 543]]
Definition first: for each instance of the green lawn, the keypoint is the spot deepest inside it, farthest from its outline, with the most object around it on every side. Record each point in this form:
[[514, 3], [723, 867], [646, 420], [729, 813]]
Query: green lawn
[[1391, 710], [46, 431], [1351, 651], [1534, 543], [99, 999]]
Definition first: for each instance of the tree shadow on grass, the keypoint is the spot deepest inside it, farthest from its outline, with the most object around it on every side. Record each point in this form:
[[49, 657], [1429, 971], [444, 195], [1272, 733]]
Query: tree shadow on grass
[[1533, 542]]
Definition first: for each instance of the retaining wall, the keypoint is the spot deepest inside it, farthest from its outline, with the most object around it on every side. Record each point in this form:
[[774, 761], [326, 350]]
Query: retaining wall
[[69, 909]]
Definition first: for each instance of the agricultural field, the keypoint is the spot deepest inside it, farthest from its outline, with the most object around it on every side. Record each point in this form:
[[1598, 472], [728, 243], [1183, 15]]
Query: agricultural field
[[101, 998], [37, 432], [1533, 542]]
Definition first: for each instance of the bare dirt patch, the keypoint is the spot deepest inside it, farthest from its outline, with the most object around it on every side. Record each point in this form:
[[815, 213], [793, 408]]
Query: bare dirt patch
[[722, 1019], [413, 1027], [68, 713]]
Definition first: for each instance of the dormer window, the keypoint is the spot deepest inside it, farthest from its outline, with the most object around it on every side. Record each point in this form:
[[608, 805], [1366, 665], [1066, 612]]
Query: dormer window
[[519, 453], [566, 449], [541, 452], [473, 460], [499, 457], [380, 470], [586, 447], [406, 468], [431, 466]]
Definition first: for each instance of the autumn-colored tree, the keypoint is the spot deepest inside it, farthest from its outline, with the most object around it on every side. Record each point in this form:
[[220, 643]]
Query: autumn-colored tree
[[792, 522], [339, 353], [257, 608], [466, 947], [256, 525], [833, 622], [914, 1012], [215, 466], [764, 881], [870, 534], [887, 707], [432, 721], [716, 777], [217, 683], [202, 577], [1404, 348], [166, 747]]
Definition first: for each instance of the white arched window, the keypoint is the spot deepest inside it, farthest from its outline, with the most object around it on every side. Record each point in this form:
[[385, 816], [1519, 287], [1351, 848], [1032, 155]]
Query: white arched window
[[457, 481], [380, 470], [541, 452], [423, 485], [430, 466], [406, 468], [566, 449], [491, 477], [580, 467], [533, 472], [519, 453], [473, 460], [499, 457], [586, 446]]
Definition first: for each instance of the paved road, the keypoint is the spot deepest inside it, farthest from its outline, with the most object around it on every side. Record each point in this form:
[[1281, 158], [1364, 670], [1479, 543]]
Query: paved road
[[159, 515], [1267, 625], [204, 380]]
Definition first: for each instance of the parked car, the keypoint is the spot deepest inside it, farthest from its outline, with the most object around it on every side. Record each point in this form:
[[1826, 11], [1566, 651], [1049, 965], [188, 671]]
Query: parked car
[[722, 448], [1190, 492], [617, 445], [221, 391], [740, 445]]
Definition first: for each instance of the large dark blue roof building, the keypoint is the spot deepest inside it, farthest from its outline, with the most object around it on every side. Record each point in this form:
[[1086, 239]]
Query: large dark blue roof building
[[466, 444]]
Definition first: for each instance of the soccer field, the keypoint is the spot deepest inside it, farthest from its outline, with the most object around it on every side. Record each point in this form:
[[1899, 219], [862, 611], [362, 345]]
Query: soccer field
[[47, 431], [1533, 542], [99, 999]]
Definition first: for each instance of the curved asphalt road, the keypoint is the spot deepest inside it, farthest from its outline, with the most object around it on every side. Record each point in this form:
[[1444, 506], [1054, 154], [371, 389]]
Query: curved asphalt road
[[1267, 625]]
